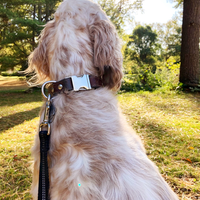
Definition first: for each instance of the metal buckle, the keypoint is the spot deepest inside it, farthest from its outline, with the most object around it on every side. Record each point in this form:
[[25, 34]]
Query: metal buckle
[[81, 82]]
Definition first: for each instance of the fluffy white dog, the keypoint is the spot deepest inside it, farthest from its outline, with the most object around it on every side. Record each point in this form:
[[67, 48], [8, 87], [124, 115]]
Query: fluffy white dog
[[93, 154]]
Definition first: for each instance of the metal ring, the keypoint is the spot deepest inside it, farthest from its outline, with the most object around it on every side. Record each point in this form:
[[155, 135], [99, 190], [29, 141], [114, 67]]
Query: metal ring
[[43, 88]]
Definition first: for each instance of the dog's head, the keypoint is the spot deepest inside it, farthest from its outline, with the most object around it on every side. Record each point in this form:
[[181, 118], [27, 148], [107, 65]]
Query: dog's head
[[80, 40]]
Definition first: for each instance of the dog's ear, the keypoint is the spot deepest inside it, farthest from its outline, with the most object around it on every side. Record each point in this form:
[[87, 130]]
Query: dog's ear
[[39, 58], [107, 52]]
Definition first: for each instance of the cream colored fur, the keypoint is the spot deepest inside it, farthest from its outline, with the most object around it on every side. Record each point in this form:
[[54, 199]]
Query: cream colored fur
[[91, 144]]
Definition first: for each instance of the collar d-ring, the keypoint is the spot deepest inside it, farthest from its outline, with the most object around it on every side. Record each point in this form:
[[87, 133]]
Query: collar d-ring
[[43, 88]]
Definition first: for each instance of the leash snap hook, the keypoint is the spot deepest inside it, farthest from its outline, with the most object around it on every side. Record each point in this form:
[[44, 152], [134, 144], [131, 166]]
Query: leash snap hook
[[45, 123]]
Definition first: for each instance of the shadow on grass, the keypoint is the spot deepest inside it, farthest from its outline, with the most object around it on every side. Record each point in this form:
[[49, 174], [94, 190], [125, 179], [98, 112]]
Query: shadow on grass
[[10, 121], [19, 97], [152, 129]]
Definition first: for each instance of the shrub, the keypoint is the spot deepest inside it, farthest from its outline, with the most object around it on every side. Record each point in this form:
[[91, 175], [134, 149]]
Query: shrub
[[147, 78]]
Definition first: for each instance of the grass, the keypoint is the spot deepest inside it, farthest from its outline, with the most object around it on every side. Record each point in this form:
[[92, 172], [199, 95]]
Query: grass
[[18, 119], [168, 123]]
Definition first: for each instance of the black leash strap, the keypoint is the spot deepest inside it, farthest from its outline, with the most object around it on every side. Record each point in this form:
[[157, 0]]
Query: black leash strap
[[44, 135], [43, 190]]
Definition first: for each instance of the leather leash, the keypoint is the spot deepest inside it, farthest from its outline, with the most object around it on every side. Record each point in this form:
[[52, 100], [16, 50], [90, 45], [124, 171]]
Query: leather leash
[[74, 83]]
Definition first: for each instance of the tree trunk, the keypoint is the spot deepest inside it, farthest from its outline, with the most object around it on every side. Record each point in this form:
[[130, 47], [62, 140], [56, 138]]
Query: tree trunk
[[190, 70], [33, 38], [39, 13], [34, 11], [47, 11]]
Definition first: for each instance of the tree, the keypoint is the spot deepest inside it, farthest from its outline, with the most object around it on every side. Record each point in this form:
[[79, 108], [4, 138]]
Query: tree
[[190, 69], [141, 56], [20, 24], [143, 45]]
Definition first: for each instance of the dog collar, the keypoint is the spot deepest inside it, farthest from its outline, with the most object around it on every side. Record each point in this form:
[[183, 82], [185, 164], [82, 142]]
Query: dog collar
[[72, 83]]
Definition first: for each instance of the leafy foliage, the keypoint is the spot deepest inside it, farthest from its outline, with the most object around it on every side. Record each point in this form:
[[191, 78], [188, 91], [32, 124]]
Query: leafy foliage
[[142, 58], [20, 23], [148, 52], [143, 45], [120, 11], [179, 3], [172, 37], [142, 78]]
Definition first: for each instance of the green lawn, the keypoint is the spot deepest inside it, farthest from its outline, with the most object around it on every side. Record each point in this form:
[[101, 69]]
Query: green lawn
[[169, 125]]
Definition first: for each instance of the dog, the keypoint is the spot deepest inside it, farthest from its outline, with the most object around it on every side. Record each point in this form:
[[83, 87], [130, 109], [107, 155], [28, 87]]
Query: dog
[[94, 154]]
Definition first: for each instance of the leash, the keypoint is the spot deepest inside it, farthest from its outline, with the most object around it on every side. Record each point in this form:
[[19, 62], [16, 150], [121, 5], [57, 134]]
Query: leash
[[44, 135], [43, 190], [73, 83]]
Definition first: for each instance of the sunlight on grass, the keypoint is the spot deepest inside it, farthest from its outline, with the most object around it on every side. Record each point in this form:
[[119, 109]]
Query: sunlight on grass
[[176, 114], [7, 110], [8, 78], [15, 162]]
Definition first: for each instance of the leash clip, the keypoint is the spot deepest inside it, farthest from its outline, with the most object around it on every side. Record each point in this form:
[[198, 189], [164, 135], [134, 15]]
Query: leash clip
[[46, 122]]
